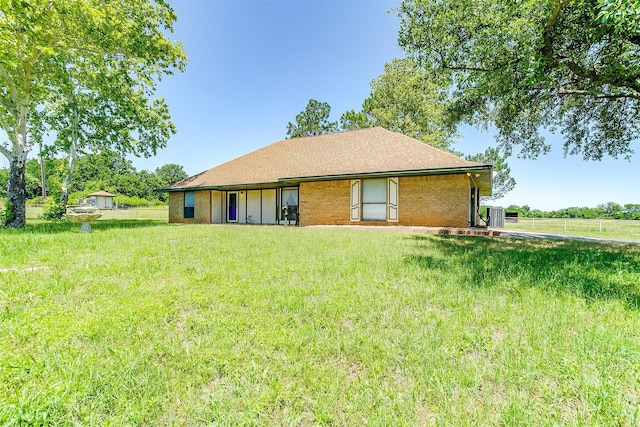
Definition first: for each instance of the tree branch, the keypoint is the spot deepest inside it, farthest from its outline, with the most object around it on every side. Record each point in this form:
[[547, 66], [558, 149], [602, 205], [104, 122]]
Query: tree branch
[[624, 81], [547, 34], [4, 125], [466, 68], [568, 92], [10, 85], [549, 55], [444, 66], [6, 153]]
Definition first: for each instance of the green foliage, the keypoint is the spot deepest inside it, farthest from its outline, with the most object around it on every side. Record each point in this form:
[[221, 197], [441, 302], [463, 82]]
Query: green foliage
[[106, 170], [87, 73], [314, 120], [170, 174], [54, 209], [529, 65], [97, 171], [352, 120], [111, 171], [5, 210], [623, 16], [608, 210], [134, 202], [4, 182], [409, 100], [144, 323], [503, 182]]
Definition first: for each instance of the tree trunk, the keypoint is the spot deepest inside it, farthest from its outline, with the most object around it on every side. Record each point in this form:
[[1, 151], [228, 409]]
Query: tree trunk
[[71, 161], [16, 194]]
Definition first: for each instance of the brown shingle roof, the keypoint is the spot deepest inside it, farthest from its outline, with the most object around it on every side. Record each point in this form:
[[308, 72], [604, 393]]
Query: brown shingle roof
[[359, 152]]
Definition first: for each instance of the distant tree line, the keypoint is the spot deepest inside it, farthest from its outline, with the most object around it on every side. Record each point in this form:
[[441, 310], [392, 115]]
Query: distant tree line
[[608, 210], [107, 170]]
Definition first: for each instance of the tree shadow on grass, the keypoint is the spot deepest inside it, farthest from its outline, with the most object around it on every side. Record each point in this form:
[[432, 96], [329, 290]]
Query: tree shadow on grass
[[52, 227], [590, 270]]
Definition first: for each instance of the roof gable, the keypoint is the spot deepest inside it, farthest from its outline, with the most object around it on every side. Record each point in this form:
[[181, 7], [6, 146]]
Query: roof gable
[[359, 152]]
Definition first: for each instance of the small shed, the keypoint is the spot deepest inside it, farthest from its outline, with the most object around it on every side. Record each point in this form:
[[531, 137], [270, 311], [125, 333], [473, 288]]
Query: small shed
[[101, 199]]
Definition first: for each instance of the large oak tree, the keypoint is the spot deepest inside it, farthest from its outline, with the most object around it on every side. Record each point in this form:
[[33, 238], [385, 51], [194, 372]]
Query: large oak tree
[[528, 65]]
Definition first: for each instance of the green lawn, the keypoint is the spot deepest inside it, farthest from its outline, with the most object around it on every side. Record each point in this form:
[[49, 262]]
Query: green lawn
[[146, 323]]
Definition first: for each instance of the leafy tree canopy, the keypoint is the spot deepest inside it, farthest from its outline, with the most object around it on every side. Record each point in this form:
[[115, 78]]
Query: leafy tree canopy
[[528, 65], [170, 173], [314, 120], [86, 70], [107, 170], [409, 100], [503, 182]]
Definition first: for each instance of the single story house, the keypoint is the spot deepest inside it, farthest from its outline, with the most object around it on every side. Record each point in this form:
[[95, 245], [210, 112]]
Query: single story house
[[101, 199], [369, 176]]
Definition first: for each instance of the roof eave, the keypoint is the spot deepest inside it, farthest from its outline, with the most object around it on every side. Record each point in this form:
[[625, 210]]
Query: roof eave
[[439, 171], [256, 185], [293, 180]]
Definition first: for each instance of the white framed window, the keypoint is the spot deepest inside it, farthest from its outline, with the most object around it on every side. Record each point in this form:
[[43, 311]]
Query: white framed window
[[374, 199]]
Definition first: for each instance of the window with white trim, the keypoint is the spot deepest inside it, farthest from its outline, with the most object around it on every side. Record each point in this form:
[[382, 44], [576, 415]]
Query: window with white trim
[[374, 199]]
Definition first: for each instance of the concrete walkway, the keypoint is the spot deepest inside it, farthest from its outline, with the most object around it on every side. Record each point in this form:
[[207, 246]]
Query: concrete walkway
[[528, 235]]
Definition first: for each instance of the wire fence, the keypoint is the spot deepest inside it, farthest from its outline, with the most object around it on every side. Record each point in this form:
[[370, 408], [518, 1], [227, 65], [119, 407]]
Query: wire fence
[[606, 228]]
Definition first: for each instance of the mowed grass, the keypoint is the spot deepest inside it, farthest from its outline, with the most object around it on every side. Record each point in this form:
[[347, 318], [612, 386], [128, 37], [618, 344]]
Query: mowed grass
[[145, 323]]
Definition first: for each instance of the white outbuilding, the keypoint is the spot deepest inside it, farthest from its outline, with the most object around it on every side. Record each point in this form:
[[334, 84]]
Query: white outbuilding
[[101, 199]]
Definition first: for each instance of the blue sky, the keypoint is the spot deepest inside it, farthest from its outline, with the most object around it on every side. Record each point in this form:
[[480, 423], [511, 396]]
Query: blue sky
[[253, 65]]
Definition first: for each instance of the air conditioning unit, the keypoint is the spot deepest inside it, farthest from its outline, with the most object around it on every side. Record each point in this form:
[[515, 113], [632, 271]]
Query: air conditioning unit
[[496, 217]]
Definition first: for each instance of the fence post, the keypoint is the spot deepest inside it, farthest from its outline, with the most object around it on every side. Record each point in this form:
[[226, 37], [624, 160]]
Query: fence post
[[533, 223], [565, 225], [601, 226]]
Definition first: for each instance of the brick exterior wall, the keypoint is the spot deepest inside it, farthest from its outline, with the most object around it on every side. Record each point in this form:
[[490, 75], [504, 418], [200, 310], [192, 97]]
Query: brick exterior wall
[[432, 201], [176, 206], [202, 208], [325, 202]]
